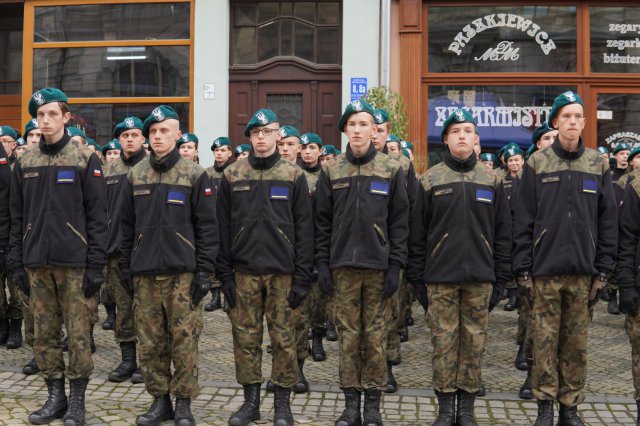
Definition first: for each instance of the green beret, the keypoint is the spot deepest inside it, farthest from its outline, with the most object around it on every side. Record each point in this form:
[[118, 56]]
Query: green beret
[[405, 152], [487, 156], [289, 132], [21, 142], [114, 144], [8, 131], [158, 115], [186, 138], [328, 150], [74, 131], [602, 150], [406, 144], [567, 98], [540, 131], [532, 148], [380, 116], [309, 137], [622, 146], [635, 151], [242, 148], [93, 143], [393, 138], [512, 151], [31, 125], [354, 107], [260, 118], [45, 96], [127, 124], [457, 116], [220, 142]]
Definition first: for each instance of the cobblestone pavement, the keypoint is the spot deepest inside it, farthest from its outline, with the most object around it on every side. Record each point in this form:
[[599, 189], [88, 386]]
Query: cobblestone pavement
[[609, 383]]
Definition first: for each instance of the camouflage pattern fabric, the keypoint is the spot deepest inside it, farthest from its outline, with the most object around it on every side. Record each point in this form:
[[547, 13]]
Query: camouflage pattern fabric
[[560, 319], [632, 326], [393, 322], [215, 281], [458, 318], [107, 295], [27, 316], [405, 294], [312, 180], [360, 315], [312, 314], [124, 327], [318, 307], [11, 306], [93, 310], [163, 310], [261, 296], [523, 337], [56, 293]]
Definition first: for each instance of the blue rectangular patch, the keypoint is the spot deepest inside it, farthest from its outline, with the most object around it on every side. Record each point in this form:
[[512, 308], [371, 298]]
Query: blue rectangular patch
[[177, 198], [66, 176], [279, 193], [589, 186], [380, 188], [484, 196]]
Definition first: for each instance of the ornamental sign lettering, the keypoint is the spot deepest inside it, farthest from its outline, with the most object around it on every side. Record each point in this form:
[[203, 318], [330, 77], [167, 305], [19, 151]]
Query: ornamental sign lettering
[[499, 116]]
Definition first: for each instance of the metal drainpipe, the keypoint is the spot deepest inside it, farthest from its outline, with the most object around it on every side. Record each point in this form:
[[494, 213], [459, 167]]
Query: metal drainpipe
[[384, 75]]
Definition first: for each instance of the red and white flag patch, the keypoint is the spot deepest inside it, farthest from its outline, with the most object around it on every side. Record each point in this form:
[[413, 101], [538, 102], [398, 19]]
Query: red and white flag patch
[[97, 172], [208, 192], [3, 161]]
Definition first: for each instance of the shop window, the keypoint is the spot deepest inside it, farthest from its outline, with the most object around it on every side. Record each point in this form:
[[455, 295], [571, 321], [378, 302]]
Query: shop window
[[502, 39], [10, 49], [504, 113], [618, 119], [615, 39]]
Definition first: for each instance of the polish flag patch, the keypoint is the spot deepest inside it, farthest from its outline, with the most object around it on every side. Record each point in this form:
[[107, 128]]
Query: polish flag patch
[[97, 173], [3, 161], [208, 192]]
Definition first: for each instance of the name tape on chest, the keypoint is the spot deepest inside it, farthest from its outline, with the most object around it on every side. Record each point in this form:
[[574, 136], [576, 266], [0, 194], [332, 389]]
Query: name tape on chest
[[484, 196], [279, 193], [379, 188], [176, 198], [443, 191], [341, 185]]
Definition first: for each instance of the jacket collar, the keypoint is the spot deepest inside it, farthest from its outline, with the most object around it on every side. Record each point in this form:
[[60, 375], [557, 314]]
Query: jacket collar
[[167, 163], [313, 169], [54, 148], [221, 169], [367, 157], [263, 163], [566, 155], [462, 166], [134, 159]]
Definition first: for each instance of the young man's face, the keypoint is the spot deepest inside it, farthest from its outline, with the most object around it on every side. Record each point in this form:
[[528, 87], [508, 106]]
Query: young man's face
[[621, 158], [51, 121], [311, 154], [112, 154], [515, 163], [163, 136], [379, 137], [489, 164], [33, 138], [635, 162], [189, 150], [289, 148], [570, 121], [264, 139], [222, 154], [359, 128], [131, 141], [546, 139], [394, 147], [324, 160], [21, 150], [460, 139], [243, 154], [476, 146], [8, 143]]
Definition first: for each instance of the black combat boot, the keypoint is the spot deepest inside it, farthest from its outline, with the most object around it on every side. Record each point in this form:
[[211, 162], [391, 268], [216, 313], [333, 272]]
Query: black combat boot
[[404, 334], [92, 343], [317, 350], [612, 306], [569, 416], [183, 416], [31, 368], [302, 386], [525, 391], [111, 316], [136, 377], [332, 334], [371, 411], [392, 385], [521, 361], [545, 413], [75, 413], [446, 409], [56, 404], [214, 303], [464, 412], [638, 414], [409, 320], [160, 411], [270, 387], [128, 364], [482, 391], [351, 414], [512, 301], [250, 409], [282, 410], [4, 330], [15, 334]]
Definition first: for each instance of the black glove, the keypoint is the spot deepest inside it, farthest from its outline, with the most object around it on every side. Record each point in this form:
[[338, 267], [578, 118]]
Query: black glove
[[297, 295], [3, 261], [229, 291], [126, 280], [21, 280], [93, 280], [200, 286], [525, 289], [420, 291], [597, 284], [496, 295], [629, 301], [391, 282], [324, 279]]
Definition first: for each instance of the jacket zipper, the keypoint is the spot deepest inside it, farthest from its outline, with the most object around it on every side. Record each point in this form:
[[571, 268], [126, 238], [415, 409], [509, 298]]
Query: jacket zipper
[[355, 246], [186, 240], [380, 233], [235, 240], [466, 249], [439, 244], [260, 227], [569, 202], [486, 243], [75, 231], [135, 247], [537, 241], [592, 240], [27, 232], [281, 232]]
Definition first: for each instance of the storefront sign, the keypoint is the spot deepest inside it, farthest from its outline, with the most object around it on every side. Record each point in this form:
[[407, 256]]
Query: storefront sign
[[499, 116], [630, 138], [615, 39]]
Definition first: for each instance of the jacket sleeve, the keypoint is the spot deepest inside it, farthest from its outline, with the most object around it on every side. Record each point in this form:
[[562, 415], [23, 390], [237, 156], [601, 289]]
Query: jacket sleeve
[[303, 228], [412, 186], [398, 221], [607, 244], [323, 200], [94, 193], [223, 210], [525, 209], [127, 225], [502, 239], [17, 219], [5, 207], [629, 231], [205, 223], [420, 219]]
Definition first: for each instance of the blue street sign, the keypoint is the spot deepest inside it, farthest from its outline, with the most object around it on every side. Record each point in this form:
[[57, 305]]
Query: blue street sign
[[358, 87]]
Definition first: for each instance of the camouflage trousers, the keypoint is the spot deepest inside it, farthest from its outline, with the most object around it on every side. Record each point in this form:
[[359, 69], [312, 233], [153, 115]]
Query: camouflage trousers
[[314, 302], [559, 324], [107, 295], [396, 305], [632, 326], [215, 281], [267, 296], [27, 315], [11, 306], [405, 301], [523, 337], [124, 327], [56, 294], [458, 318], [169, 328], [360, 315]]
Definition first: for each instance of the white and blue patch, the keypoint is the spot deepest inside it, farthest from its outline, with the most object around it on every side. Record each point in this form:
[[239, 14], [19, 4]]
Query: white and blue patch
[[484, 196], [176, 198], [379, 188], [279, 193], [66, 176], [589, 186]]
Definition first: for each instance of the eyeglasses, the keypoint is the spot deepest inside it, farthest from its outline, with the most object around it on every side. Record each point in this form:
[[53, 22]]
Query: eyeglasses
[[265, 131]]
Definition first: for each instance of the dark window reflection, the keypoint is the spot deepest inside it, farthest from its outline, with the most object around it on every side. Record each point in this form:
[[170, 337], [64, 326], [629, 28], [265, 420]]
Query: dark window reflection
[[10, 49], [618, 119]]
